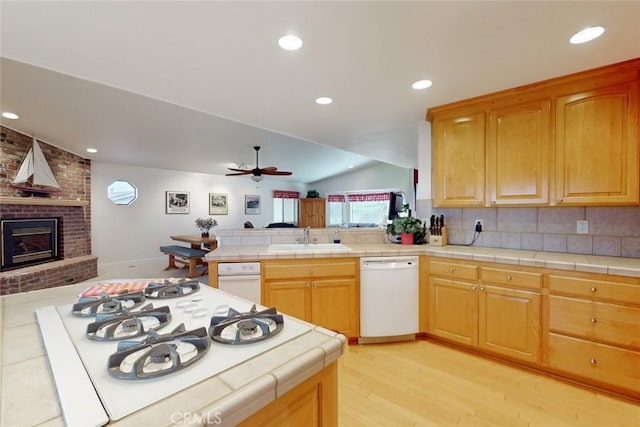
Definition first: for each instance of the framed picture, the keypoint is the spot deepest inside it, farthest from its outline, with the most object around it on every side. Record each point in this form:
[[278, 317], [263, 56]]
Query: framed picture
[[218, 204], [177, 202], [251, 205]]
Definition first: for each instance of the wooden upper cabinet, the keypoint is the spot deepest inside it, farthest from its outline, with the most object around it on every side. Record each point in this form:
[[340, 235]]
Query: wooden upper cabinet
[[459, 160], [571, 140], [312, 213], [597, 146], [518, 154]]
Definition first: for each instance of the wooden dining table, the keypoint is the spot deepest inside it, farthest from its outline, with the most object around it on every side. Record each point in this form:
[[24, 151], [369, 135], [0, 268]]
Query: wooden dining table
[[197, 241]]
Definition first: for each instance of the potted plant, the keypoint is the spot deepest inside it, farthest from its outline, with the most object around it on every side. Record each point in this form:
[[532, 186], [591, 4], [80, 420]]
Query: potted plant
[[313, 194], [205, 224], [407, 226]]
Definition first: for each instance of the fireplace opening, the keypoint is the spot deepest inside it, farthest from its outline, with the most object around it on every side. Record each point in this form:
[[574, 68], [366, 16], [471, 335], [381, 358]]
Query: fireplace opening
[[28, 242]]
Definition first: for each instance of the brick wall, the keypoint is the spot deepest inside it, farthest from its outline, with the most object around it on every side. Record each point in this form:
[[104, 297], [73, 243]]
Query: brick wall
[[73, 174]]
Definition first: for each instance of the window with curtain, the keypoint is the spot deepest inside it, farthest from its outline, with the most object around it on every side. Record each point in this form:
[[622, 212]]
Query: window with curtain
[[368, 208], [336, 204], [285, 206], [358, 209]]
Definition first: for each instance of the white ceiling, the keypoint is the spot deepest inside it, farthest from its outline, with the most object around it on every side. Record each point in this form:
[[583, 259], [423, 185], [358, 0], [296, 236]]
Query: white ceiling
[[194, 85]]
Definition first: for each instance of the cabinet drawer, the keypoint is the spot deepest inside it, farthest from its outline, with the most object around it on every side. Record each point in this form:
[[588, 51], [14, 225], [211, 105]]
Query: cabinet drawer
[[598, 362], [341, 267], [520, 279], [453, 270], [595, 289], [597, 321]]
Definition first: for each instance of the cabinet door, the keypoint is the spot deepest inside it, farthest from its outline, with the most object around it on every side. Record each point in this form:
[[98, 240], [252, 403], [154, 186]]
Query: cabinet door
[[453, 310], [518, 154], [312, 213], [459, 160], [509, 322], [292, 297], [333, 305], [597, 146]]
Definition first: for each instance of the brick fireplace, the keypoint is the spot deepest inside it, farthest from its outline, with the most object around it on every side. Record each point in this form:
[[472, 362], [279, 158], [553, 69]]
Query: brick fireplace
[[71, 206]]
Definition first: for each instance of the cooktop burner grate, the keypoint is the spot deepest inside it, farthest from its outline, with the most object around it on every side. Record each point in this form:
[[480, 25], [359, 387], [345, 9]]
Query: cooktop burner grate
[[128, 324], [245, 328], [168, 289], [105, 304], [159, 355]]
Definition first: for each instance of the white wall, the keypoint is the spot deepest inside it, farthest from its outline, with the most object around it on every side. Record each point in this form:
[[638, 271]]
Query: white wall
[[136, 231], [424, 161]]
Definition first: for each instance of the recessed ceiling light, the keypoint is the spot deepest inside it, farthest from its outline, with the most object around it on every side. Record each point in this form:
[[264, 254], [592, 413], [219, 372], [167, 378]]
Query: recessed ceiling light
[[422, 84], [323, 100], [290, 42], [586, 35], [350, 167], [91, 150], [10, 115]]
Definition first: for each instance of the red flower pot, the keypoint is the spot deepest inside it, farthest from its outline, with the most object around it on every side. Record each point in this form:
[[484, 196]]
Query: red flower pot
[[406, 238]]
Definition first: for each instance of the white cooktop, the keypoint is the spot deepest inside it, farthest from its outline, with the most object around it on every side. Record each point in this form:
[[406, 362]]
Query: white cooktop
[[123, 397]]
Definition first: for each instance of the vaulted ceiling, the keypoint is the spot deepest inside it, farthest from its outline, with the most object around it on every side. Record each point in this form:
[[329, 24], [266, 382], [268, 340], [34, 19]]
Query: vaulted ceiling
[[194, 85]]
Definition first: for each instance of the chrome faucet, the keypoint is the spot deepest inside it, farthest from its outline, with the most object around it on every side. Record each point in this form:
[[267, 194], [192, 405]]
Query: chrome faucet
[[305, 235]]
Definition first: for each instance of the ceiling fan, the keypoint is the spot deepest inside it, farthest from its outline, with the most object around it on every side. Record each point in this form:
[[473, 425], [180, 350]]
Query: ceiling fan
[[258, 172]]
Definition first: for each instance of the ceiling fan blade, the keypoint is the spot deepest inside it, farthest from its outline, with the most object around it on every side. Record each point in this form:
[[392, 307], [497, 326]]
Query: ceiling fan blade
[[258, 171], [272, 172]]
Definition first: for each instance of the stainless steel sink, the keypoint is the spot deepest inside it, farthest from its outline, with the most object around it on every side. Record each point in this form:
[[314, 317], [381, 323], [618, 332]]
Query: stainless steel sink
[[311, 247]]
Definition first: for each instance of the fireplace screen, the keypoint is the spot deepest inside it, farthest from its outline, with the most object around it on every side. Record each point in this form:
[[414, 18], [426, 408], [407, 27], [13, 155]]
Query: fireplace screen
[[28, 242]]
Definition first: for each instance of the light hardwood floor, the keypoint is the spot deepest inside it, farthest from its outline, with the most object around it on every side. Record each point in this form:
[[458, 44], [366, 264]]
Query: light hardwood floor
[[421, 383]]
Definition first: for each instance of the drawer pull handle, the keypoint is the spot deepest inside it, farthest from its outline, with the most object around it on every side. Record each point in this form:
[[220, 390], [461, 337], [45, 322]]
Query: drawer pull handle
[[593, 289], [508, 277], [593, 361], [593, 320], [452, 270]]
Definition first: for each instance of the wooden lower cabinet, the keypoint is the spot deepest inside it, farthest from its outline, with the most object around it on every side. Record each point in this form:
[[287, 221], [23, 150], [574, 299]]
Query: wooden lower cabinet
[[453, 311], [594, 332], [314, 403], [595, 363], [321, 291], [509, 322], [500, 320]]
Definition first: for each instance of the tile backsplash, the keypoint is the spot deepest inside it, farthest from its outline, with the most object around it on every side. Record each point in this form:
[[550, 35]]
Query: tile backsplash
[[612, 231]]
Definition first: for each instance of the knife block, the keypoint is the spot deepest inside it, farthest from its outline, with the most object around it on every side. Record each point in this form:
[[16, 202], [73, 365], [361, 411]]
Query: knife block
[[439, 240]]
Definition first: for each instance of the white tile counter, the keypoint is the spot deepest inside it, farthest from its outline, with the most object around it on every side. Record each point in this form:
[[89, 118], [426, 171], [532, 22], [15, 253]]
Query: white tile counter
[[29, 395], [563, 261]]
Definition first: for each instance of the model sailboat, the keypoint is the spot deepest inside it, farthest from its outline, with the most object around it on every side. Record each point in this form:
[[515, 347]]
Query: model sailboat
[[34, 175]]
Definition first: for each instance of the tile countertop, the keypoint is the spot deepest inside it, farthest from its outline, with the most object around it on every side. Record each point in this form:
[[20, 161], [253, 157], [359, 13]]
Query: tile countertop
[[562, 261], [27, 382]]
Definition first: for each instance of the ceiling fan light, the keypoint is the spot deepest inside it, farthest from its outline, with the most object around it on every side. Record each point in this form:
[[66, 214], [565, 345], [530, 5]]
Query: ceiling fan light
[[257, 178]]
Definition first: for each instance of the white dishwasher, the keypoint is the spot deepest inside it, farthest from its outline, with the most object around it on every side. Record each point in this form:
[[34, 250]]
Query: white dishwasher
[[241, 279], [388, 299]]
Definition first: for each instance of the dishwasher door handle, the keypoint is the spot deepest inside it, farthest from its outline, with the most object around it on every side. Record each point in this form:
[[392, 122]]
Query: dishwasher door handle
[[387, 265]]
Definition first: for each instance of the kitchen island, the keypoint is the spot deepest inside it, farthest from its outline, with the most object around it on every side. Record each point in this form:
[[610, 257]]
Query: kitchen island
[[296, 380]]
